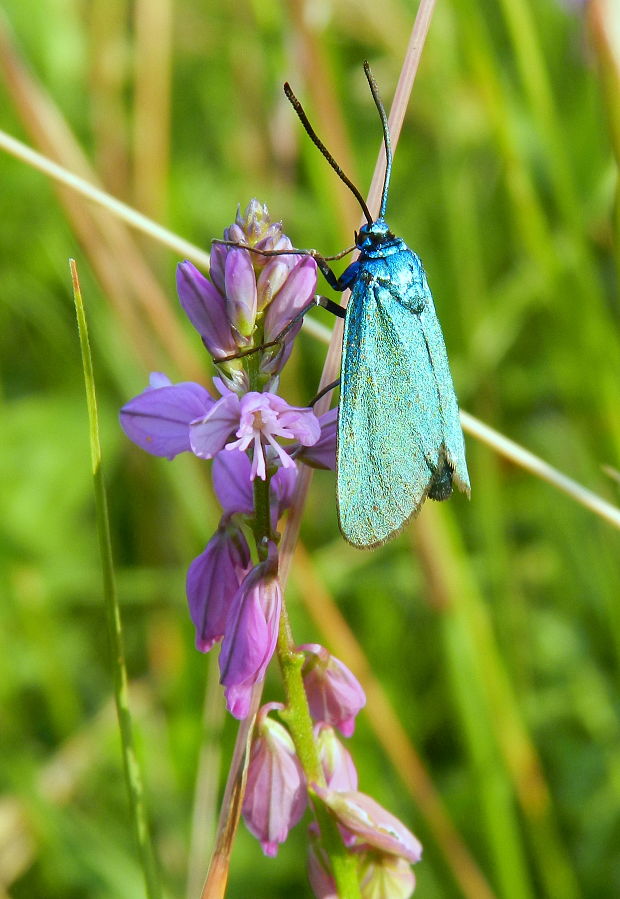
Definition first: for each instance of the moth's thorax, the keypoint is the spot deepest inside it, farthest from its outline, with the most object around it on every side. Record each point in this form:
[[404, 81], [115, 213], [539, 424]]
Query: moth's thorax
[[376, 240]]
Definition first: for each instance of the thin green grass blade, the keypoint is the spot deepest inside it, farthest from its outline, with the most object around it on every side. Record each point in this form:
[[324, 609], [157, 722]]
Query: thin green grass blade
[[130, 761]]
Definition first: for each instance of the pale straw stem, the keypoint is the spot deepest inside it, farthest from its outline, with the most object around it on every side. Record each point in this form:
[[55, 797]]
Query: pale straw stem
[[126, 213]]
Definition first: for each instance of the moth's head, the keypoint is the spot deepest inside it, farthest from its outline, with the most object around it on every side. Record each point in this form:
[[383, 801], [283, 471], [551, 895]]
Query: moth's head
[[371, 236]]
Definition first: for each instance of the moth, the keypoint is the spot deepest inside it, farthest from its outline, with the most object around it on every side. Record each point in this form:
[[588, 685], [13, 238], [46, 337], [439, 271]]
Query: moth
[[399, 433]]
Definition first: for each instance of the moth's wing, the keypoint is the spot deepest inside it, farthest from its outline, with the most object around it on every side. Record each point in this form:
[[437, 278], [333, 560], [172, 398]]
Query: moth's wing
[[448, 405], [390, 426]]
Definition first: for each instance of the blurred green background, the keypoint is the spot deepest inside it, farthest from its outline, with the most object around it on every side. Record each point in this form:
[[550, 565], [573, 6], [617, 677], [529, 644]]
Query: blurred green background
[[493, 627]]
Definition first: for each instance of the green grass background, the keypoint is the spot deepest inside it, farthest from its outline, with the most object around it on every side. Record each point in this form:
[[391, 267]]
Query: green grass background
[[493, 626]]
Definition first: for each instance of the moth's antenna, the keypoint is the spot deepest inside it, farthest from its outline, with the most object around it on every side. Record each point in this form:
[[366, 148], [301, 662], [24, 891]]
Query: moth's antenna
[[303, 118], [386, 136]]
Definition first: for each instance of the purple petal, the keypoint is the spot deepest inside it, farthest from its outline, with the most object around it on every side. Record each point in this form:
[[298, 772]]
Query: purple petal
[[275, 796], [206, 309], [337, 763], [251, 633], [283, 485], [213, 579], [272, 278], [303, 423], [158, 379], [240, 291], [239, 698], [208, 435], [218, 266], [296, 293], [235, 232], [232, 483], [321, 454], [322, 883], [385, 875], [335, 696], [371, 823], [158, 419]]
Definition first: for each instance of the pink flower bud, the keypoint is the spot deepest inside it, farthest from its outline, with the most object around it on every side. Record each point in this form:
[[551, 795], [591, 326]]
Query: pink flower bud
[[275, 796], [336, 761], [205, 306], [240, 282], [370, 823], [251, 633], [385, 877], [274, 274], [213, 579], [335, 695], [321, 881]]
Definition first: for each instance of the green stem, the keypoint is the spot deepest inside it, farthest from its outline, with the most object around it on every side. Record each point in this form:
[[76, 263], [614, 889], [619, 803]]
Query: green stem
[[131, 765], [261, 525], [299, 722], [297, 714]]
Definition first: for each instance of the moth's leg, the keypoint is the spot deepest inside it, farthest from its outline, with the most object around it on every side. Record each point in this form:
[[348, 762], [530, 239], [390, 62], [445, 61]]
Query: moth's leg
[[334, 308], [315, 301], [244, 246], [322, 261], [325, 390]]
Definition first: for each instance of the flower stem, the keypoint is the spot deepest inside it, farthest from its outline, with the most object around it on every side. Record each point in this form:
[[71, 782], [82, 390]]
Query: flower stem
[[299, 722], [262, 517], [297, 713], [131, 765]]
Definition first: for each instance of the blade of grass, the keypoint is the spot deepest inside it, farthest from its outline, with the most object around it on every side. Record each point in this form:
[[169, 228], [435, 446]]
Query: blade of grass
[[151, 139], [107, 81], [207, 780], [388, 729], [541, 469], [492, 721], [606, 41], [45, 122], [121, 210], [131, 765]]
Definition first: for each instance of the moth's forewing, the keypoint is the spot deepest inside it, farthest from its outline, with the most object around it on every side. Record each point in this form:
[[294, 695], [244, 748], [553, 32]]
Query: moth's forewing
[[398, 416]]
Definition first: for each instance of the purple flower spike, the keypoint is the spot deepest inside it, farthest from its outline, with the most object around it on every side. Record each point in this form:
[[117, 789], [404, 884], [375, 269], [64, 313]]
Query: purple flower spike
[[321, 454], [335, 695], [251, 633], [240, 282], [385, 877], [213, 580], [336, 761], [275, 795], [205, 307], [370, 823], [158, 419]]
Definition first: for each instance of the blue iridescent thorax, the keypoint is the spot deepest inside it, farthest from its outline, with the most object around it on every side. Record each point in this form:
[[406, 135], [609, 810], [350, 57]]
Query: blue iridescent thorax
[[388, 266]]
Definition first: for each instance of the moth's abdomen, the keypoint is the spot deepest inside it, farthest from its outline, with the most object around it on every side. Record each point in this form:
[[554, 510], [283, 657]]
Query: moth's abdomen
[[441, 484]]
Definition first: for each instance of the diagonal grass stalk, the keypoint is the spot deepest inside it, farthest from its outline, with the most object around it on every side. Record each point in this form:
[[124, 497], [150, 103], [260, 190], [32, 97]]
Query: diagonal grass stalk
[[131, 765], [500, 444]]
